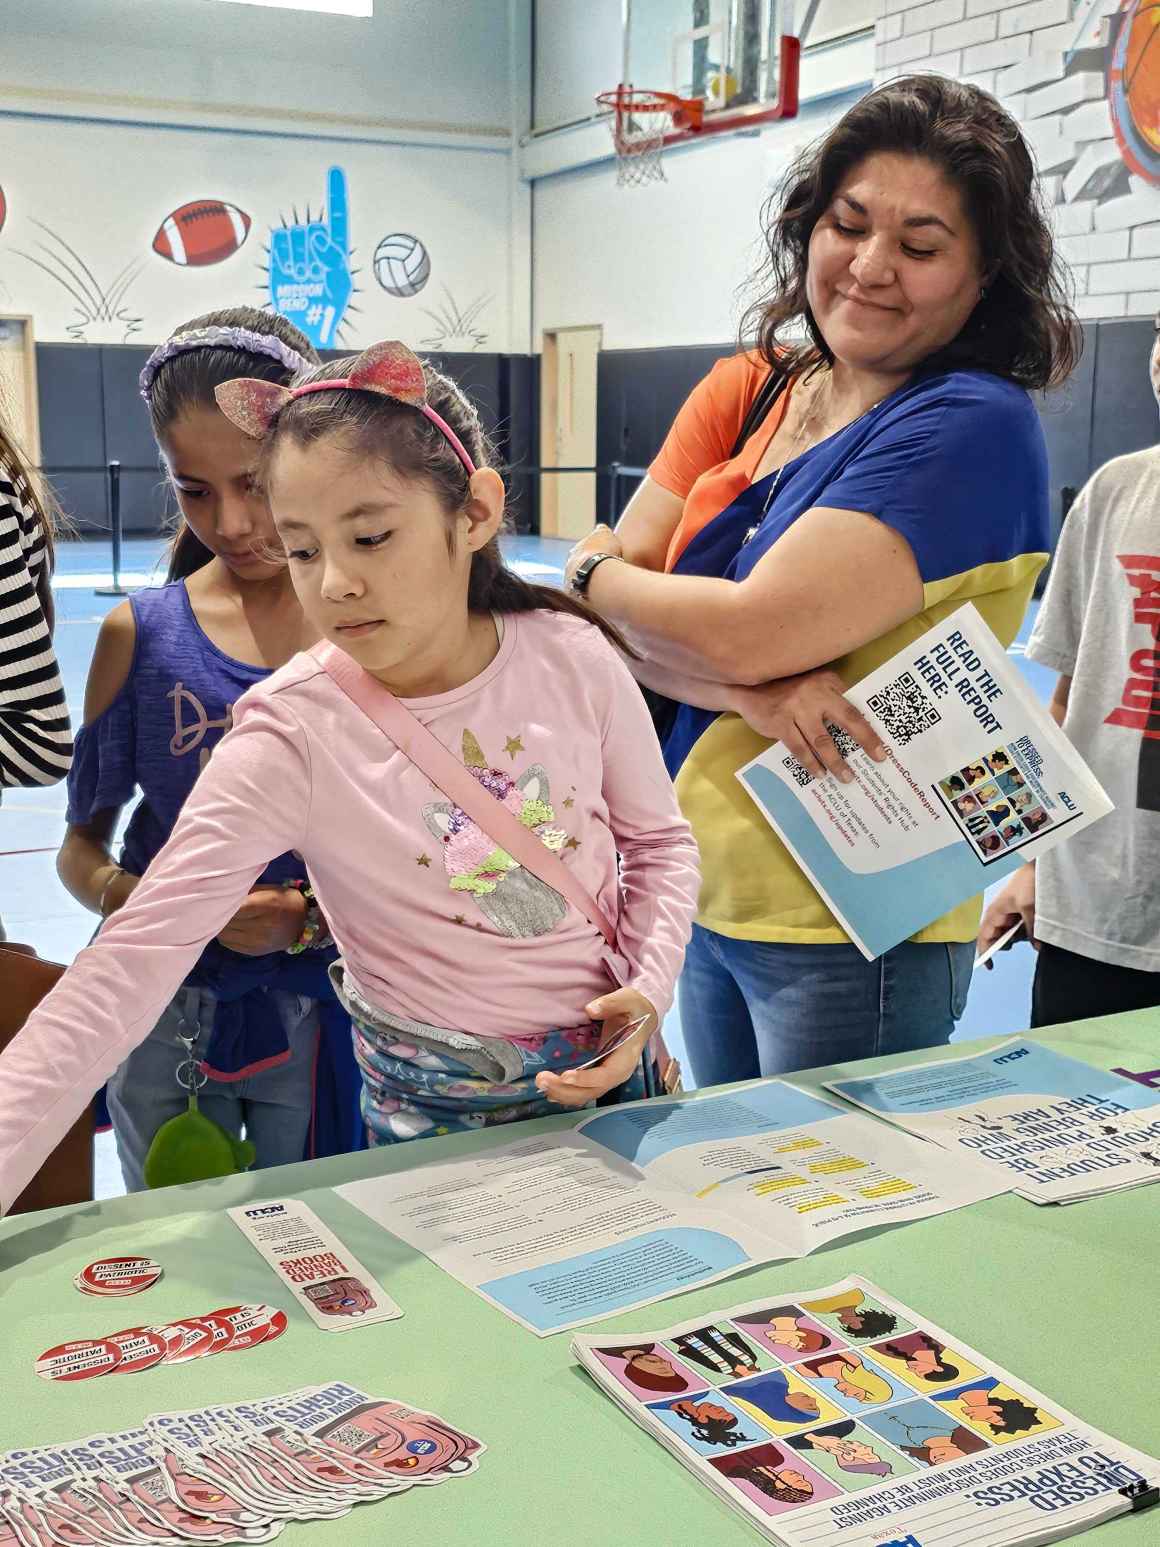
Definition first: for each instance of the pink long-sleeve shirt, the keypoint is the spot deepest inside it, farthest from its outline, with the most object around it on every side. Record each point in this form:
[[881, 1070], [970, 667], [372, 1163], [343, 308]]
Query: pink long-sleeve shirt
[[429, 922]]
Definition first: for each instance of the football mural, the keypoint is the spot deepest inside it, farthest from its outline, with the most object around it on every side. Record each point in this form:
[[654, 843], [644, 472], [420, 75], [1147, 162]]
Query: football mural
[[202, 232]]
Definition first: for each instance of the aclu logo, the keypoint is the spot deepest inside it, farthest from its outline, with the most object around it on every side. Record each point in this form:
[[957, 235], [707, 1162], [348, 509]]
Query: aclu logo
[[1009, 1058], [274, 1208]]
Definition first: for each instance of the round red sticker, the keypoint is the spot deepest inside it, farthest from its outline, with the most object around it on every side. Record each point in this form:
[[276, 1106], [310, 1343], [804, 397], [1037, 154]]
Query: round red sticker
[[138, 1348], [248, 1325], [78, 1361], [277, 1325], [188, 1339], [118, 1275], [223, 1325]]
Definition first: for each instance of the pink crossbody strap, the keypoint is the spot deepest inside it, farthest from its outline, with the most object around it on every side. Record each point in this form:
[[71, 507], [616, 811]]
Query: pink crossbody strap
[[448, 774]]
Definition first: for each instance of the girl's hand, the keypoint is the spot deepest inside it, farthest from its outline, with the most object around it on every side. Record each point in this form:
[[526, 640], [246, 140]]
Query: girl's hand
[[270, 919], [577, 1087], [1014, 904], [602, 540], [798, 711]]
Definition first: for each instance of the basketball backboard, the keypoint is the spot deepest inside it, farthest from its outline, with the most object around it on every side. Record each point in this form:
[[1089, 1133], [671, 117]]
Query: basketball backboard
[[732, 53], [727, 52]]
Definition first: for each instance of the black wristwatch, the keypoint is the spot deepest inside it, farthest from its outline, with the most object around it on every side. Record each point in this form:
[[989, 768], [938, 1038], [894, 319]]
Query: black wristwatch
[[585, 568]]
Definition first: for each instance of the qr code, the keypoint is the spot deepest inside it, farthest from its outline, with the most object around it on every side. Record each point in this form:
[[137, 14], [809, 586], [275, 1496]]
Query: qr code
[[800, 776], [904, 709], [842, 739]]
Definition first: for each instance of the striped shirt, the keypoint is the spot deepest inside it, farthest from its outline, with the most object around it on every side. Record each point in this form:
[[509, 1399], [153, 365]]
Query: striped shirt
[[35, 737]]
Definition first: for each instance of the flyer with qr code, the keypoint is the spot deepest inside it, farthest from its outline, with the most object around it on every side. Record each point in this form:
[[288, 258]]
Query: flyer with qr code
[[840, 1414], [978, 780]]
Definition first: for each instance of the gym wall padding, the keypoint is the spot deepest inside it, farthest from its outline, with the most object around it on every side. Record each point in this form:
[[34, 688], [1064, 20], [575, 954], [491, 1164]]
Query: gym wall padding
[[90, 412]]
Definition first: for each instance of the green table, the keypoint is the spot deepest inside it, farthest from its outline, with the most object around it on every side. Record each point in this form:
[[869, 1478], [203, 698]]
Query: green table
[[1065, 1297]]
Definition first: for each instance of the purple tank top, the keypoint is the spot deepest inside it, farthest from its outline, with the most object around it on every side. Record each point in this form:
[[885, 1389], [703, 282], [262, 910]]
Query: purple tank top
[[158, 733]]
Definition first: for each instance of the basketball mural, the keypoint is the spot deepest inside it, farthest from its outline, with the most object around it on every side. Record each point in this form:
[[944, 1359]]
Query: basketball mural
[[402, 265], [309, 272], [1134, 85]]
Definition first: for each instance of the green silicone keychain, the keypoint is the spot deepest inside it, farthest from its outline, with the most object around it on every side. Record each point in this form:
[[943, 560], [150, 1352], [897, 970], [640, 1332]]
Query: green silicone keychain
[[191, 1147]]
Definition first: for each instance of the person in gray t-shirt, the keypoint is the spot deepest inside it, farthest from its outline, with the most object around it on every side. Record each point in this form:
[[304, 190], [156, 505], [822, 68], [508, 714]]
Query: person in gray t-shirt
[[1092, 906]]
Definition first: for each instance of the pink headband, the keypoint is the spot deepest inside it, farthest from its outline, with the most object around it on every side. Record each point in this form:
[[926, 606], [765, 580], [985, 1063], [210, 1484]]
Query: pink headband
[[390, 369]]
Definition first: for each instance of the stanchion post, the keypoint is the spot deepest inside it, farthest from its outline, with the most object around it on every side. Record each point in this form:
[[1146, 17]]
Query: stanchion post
[[113, 473]]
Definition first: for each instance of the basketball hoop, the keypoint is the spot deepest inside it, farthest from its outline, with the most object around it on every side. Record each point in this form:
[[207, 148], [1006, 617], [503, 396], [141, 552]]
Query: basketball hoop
[[639, 121]]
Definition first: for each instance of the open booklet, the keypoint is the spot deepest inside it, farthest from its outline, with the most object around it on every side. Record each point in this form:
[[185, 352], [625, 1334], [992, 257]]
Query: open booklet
[[654, 1198], [1055, 1128], [840, 1415], [979, 780]]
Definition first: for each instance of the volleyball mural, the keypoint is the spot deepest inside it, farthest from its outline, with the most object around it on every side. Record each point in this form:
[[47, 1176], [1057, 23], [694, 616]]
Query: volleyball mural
[[402, 265]]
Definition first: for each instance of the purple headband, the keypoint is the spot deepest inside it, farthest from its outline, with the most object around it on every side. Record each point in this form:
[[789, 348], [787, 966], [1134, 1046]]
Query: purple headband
[[219, 338], [388, 369]]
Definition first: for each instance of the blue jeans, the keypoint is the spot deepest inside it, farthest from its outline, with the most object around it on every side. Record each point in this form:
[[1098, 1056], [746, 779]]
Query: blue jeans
[[753, 1007], [273, 1107]]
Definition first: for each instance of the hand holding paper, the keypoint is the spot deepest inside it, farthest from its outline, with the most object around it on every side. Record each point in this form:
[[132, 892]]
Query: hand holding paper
[[808, 715], [978, 780], [1011, 911], [622, 1011]]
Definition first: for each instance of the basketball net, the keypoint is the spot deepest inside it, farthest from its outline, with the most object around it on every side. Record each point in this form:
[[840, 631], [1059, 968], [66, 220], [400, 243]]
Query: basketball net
[[639, 122]]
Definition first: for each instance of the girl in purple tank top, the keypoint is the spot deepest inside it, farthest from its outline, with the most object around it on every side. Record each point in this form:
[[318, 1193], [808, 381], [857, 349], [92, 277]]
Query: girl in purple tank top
[[168, 667]]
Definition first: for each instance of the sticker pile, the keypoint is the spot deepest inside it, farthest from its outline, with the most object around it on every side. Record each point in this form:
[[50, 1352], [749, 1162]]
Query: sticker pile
[[231, 1473], [116, 1277], [230, 1330]]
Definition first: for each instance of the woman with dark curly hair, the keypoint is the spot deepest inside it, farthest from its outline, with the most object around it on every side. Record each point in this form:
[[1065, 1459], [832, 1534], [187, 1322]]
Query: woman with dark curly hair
[[824, 498]]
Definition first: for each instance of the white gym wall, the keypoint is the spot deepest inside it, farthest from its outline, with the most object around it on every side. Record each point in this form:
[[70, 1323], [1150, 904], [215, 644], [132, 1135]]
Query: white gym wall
[[114, 113], [662, 264]]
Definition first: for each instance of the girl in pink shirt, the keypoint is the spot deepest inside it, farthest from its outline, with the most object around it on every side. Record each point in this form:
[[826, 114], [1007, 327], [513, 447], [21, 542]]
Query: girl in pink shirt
[[473, 986]]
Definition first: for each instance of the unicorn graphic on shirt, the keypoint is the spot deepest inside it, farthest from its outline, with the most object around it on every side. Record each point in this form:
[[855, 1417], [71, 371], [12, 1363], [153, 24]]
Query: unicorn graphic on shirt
[[518, 903]]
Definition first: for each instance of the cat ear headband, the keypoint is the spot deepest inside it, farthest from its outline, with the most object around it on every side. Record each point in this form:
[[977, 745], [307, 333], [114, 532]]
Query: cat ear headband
[[390, 369]]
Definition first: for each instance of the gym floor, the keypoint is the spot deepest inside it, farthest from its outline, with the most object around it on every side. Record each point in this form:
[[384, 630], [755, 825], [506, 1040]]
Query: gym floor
[[36, 908]]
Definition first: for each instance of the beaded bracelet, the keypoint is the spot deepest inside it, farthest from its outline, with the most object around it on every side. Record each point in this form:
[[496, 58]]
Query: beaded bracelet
[[315, 935]]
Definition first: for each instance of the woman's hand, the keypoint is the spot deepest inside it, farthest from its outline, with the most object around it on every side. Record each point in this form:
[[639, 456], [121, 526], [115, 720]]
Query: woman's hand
[[114, 888], [1014, 904], [602, 540], [270, 919], [798, 711], [577, 1087]]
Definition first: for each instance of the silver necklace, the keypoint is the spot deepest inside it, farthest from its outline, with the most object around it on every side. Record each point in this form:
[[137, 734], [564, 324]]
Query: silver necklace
[[807, 425]]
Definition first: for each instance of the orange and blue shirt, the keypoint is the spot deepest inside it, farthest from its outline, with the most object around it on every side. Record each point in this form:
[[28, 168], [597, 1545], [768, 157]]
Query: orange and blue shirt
[[955, 463]]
